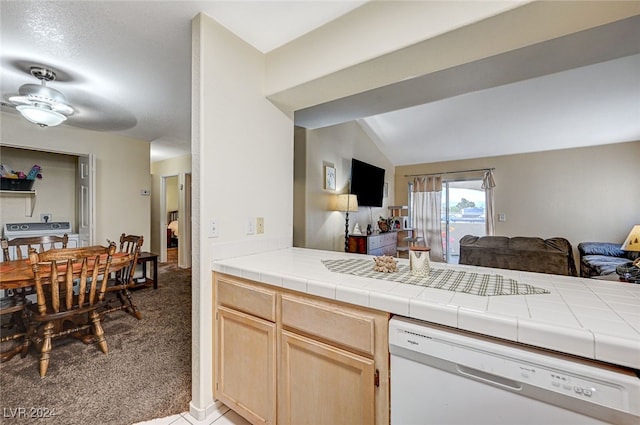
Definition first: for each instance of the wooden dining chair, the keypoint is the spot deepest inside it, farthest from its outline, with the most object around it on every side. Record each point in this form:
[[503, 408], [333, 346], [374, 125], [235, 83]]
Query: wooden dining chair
[[123, 280], [70, 283], [13, 314], [23, 245], [13, 302]]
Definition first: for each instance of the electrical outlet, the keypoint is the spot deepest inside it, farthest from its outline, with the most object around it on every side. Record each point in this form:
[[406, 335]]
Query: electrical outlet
[[502, 217], [260, 225], [251, 226], [45, 217], [213, 228]]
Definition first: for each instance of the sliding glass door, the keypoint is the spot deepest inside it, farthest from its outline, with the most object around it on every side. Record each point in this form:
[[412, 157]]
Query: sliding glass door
[[462, 213]]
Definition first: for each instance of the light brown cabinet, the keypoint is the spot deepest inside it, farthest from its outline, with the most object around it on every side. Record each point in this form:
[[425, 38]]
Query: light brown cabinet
[[323, 384], [330, 359], [246, 350], [247, 382]]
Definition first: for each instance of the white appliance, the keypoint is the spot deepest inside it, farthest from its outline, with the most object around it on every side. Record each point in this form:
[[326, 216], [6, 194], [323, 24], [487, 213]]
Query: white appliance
[[55, 228], [444, 376]]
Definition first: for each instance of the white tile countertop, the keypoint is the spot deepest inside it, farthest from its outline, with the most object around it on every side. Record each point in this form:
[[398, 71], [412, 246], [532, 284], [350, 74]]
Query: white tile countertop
[[596, 319]]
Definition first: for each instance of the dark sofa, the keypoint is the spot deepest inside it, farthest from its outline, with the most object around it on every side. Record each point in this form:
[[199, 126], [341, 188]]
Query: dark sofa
[[601, 258], [553, 256]]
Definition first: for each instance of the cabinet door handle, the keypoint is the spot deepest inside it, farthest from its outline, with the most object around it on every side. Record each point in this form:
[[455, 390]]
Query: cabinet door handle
[[376, 378]]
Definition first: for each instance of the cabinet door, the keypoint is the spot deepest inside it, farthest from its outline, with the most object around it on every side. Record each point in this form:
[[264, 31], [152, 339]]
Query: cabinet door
[[321, 384], [246, 379]]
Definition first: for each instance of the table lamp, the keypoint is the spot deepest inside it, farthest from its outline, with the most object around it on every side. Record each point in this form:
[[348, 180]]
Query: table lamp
[[632, 243], [347, 203]]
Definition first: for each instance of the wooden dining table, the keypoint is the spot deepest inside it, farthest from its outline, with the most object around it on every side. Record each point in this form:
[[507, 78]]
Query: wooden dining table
[[16, 274]]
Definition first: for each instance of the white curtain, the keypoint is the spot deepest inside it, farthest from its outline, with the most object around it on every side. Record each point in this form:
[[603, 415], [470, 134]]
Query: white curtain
[[426, 206], [488, 183]]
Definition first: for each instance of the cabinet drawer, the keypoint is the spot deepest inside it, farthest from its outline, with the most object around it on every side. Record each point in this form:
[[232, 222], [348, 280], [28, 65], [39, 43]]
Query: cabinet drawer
[[390, 238], [257, 301], [373, 243], [349, 329]]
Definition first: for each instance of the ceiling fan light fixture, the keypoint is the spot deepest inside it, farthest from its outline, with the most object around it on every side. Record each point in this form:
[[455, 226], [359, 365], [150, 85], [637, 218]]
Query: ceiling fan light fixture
[[41, 115], [40, 104]]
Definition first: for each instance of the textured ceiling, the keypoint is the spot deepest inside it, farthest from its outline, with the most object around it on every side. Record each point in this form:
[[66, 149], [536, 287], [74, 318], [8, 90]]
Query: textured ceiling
[[125, 68]]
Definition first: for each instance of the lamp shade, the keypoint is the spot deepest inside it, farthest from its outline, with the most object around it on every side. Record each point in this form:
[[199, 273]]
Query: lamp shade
[[347, 203], [41, 116], [632, 243]]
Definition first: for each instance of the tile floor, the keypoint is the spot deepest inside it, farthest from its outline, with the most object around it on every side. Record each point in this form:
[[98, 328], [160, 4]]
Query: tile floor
[[221, 416]]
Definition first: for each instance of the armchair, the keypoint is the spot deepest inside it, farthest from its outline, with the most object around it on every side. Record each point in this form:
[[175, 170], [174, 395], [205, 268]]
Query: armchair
[[601, 258]]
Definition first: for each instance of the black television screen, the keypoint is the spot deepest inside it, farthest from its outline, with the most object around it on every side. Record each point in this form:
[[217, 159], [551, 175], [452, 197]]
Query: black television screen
[[367, 182]]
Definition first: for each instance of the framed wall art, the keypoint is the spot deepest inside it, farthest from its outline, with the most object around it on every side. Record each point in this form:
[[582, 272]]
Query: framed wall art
[[329, 178]]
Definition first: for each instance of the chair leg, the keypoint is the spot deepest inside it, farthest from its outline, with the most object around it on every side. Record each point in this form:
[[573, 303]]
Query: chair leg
[[46, 349], [30, 329], [98, 332], [8, 354], [128, 304]]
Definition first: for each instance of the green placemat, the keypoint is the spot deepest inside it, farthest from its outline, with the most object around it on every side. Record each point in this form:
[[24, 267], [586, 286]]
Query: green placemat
[[447, 279]]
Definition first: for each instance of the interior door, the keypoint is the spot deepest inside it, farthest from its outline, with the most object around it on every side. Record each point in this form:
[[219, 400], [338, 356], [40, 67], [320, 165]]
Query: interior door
[[85, 199]]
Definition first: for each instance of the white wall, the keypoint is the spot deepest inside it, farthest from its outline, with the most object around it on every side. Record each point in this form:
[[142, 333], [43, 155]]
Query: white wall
[[582, 194], [122, 169], [243, 162], [55, 191], [336, 146]]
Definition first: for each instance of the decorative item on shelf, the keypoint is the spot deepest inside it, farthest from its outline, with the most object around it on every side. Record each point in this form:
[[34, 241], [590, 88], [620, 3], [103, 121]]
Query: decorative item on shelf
[[631, 272], [385, 264], [369, 230], [347, 203], [18, 180], [356, 230], [383, 225], [419, 263]]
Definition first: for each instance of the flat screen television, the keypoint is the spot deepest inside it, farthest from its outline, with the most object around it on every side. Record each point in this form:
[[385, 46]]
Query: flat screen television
[[367, 182]]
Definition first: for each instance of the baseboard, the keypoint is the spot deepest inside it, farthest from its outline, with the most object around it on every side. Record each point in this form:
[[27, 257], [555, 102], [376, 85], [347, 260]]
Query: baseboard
[[215, 409]]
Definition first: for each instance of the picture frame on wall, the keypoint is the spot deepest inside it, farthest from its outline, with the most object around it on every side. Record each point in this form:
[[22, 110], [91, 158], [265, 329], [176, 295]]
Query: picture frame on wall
[[329, 178]]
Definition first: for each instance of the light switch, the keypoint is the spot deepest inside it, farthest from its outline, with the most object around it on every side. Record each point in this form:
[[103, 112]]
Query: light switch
[[213, 228], [502, 217], [251, 226]]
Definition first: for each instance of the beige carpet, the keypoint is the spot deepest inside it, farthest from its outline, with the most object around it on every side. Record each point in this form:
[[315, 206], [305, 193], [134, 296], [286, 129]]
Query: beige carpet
[[147, 373]]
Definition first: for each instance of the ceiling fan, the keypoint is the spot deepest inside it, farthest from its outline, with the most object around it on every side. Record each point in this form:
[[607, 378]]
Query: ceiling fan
[[40, 104]]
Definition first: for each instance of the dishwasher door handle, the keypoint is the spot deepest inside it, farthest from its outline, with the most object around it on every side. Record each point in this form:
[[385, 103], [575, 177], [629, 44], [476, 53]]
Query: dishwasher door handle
[[489, 378]]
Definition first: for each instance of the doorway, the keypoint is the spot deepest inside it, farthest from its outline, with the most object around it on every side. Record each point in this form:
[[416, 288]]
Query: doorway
[[175, 219], [171, 212], [462, 213]]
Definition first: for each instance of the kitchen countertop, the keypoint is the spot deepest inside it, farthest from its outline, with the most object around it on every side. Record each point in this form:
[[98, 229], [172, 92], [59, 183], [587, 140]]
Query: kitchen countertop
[[596, 319]]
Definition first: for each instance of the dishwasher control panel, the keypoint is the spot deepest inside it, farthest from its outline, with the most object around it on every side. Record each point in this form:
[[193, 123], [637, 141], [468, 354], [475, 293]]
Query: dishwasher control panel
[[514, 368]]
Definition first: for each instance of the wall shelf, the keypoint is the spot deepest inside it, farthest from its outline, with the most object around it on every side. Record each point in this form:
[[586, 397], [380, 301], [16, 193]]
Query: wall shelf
[[29, 199], [399, 210]]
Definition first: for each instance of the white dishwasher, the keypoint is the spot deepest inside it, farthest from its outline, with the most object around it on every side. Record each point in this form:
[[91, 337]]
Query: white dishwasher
[[444, 376]]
